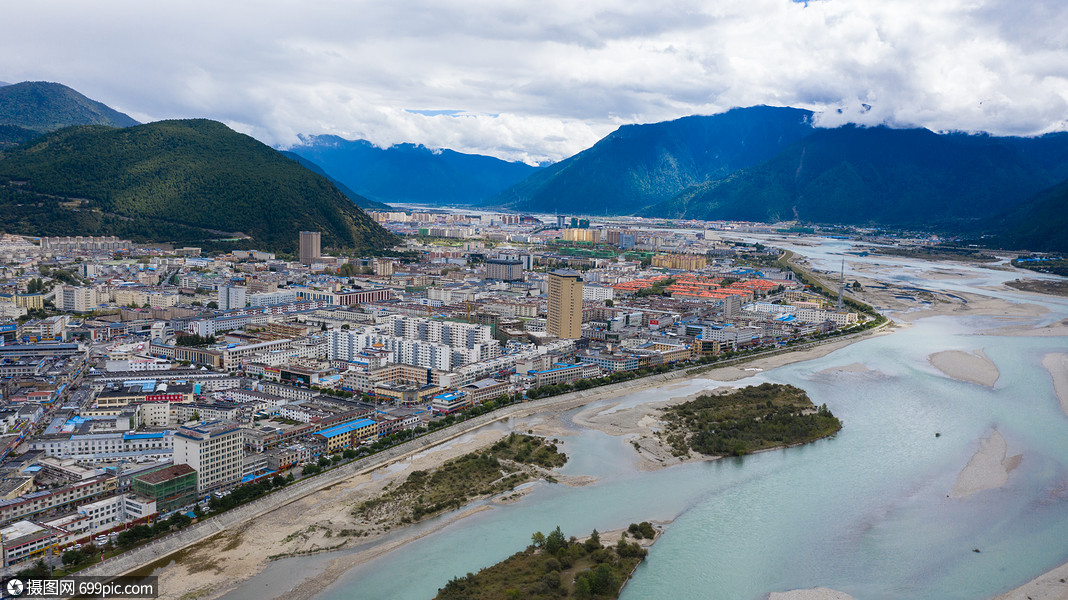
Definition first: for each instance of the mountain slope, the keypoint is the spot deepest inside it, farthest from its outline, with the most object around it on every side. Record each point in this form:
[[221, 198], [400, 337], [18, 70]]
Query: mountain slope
[[639, 165], [411, 173], [185, 181], [1039, 224], [43, 106], [881, 176], [357, 199], [13, 135]]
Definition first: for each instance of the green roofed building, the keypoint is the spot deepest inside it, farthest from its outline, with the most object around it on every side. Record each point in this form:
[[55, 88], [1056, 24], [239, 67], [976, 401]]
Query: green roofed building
[[171, 487]]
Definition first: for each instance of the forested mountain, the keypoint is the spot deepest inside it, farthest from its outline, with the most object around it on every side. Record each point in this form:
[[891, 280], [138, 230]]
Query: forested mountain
[[13, 135], [879, 175], [184, 181], [42, 106], [639, 165], [411, 173], [357, 199], [1039, 224]]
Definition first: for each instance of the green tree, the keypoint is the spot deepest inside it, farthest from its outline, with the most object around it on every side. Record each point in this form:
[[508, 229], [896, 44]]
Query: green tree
[[213, 304], [594, 541], [73, 557], [555, 541], [538, 539]]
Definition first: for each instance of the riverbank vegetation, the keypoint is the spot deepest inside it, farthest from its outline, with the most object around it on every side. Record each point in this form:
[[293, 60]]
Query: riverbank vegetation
[[746, 420], [1053, 265], [503, 466], [553, 567], [1040, 286]]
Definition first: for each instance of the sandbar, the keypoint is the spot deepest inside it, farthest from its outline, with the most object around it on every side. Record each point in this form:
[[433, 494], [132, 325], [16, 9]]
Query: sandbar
[[850, 368], [820, 593], [964, 366], [988, 468], [1057, 365]]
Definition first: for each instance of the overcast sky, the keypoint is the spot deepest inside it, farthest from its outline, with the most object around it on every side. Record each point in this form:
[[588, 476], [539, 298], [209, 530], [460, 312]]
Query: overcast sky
[[543, 80]]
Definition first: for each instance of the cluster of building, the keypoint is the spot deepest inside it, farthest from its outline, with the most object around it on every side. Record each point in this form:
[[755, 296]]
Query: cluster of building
[[137, 381]]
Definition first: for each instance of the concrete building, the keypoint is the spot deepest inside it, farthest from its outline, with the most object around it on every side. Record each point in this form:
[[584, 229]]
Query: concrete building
[[232, 297], [582, 235], [598, 293], [310, 247], [171, 487], [504, 270], [565, 304], [213, 450], [348, 434], [77, 299]]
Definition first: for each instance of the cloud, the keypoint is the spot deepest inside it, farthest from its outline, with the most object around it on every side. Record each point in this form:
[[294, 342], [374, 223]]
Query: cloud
[[545, 80]]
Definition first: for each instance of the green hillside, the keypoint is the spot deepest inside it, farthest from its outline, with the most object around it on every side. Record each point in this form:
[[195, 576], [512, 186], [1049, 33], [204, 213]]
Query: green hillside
[[879, 175], [639, 165], [180, 181], [13, 135], [1040, 224], [42, 106]]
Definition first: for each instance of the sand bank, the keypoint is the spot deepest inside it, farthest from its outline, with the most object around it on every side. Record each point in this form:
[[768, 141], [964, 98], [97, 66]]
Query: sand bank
[[820, 593], [988, 468], [1027, 329], [1051, 585], [1057, 365], [314, 523], [850, 368], [973, 368]]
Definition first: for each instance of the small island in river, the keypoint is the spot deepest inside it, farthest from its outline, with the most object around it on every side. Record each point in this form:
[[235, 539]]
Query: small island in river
[[738, 422], [553, 566]]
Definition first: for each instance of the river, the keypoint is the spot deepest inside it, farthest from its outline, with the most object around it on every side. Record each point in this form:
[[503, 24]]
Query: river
[[866, 512]]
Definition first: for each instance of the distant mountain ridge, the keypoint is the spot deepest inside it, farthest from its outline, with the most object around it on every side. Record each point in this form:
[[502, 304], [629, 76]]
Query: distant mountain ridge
[[186, 181], [43, 106], [878, 175], [640, 165], [411, 173]]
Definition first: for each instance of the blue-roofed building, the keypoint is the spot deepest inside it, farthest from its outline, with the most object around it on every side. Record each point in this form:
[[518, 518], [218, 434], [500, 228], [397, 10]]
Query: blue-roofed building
[[449, 402], [348, 434]]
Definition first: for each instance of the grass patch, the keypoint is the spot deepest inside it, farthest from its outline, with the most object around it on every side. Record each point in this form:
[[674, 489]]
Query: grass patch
[[1040, 286], [746, 420], [450, 486]]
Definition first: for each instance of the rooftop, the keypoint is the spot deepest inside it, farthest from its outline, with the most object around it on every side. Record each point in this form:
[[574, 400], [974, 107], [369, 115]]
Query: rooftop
[[346, 427], [165, 474]]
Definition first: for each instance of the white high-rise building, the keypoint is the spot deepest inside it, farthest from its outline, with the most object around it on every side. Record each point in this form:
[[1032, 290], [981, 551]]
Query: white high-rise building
[[214, 450], [77, 299], [232, 297]]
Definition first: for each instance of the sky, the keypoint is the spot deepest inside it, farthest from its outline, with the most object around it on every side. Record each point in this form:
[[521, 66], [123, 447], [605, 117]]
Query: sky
[[537, 81]]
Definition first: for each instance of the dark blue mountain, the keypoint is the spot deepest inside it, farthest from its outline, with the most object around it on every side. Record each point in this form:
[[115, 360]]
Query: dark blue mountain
[[882, 176], [639, 165], [411, 173], [357, 199], [1039, 224]]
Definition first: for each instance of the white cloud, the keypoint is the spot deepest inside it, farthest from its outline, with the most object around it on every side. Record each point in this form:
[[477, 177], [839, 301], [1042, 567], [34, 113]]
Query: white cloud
[[545, 80]]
